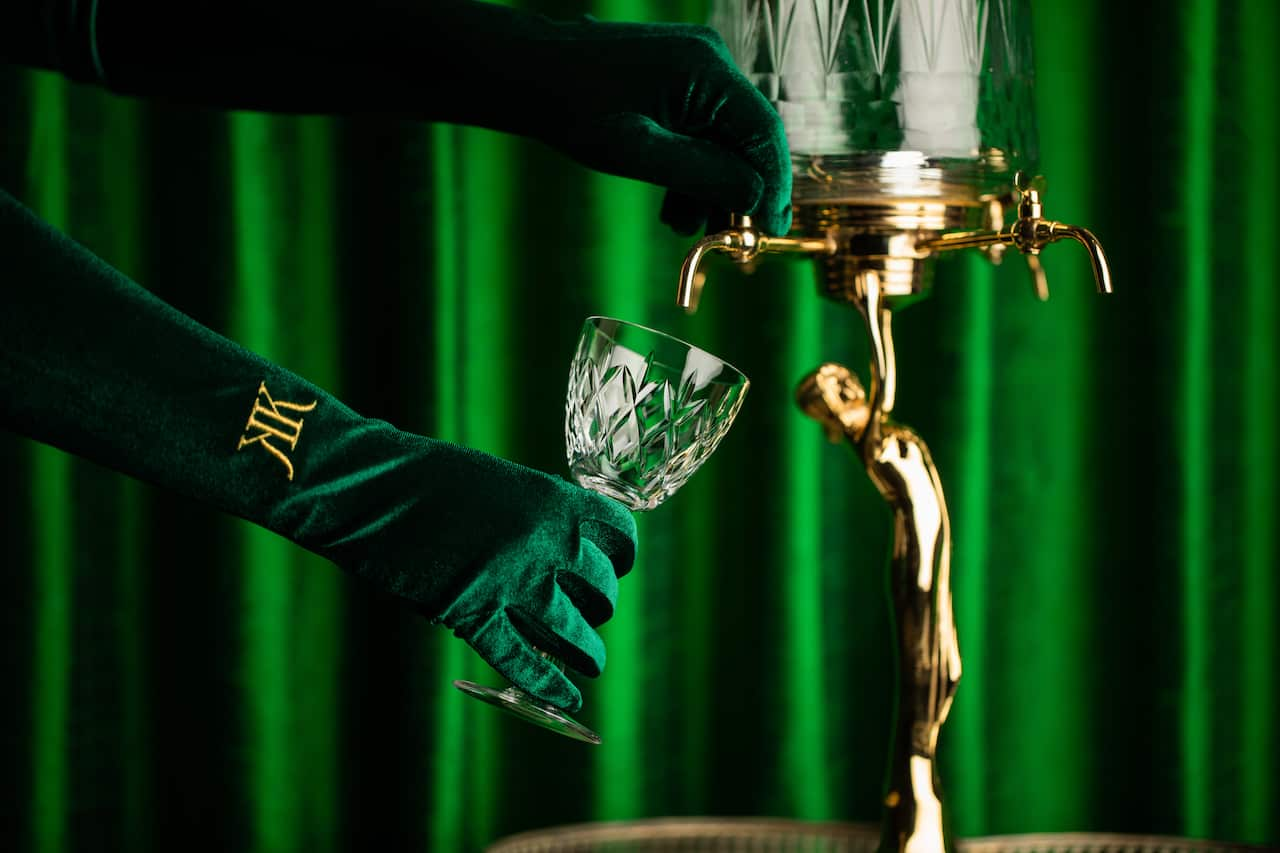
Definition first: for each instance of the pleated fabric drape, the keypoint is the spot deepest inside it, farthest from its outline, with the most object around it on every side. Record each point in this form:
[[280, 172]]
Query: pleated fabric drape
[[178, 679]]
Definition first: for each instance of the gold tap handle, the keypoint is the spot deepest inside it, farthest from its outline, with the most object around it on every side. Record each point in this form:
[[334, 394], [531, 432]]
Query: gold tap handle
[[1030, 233], [742, 242], [1039, 281]]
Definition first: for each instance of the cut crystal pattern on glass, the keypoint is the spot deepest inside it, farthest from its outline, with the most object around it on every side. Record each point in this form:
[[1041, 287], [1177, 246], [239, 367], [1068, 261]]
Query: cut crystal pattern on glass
[[643, 411], [948, 80], [641, 418]]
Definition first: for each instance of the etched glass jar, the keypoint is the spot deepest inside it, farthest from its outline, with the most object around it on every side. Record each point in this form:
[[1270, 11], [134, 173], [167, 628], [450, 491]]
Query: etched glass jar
[[907, 98]]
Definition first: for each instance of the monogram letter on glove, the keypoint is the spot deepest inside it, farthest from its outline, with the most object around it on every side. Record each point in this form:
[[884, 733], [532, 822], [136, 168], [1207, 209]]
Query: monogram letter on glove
[[270, 429]]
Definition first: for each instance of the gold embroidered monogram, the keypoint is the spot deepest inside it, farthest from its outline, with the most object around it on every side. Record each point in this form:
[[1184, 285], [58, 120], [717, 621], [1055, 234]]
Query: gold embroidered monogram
[[268, 427]]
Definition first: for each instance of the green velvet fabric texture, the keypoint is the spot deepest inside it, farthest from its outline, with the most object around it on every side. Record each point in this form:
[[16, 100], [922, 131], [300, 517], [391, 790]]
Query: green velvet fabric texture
[[1109, 462], [95, 365], [661, 103]]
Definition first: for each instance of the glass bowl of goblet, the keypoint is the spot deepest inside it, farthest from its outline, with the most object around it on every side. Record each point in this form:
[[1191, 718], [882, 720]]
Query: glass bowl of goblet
[[643, 411]]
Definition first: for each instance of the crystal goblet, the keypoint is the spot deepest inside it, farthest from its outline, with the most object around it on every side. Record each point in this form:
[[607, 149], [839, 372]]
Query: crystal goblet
[[644, 410]]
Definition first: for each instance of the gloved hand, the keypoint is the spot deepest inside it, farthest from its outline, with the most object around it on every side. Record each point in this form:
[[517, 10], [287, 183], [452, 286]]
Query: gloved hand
[[502, 554], [661, 103]]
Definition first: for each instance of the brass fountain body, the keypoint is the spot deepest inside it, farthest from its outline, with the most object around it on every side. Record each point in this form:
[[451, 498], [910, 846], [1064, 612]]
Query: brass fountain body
[[875, 252], [895, 236]]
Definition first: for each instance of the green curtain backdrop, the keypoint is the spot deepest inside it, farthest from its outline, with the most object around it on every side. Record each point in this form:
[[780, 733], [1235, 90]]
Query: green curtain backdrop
[[176, 679]]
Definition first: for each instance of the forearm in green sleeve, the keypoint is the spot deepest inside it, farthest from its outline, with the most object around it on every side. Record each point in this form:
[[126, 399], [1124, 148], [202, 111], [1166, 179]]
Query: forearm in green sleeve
[[444, 60], [94, 364], [660, 103]]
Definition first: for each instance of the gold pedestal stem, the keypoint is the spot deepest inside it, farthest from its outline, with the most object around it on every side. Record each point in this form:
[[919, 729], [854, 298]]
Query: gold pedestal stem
[[928, 655]]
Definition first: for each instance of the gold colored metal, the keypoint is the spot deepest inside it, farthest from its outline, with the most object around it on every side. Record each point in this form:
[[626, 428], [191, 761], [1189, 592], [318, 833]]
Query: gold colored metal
[[1039, 281], [898, 463], [743, 243], [873, 247], [1030, 233], [993, 220], [835, 400], [893, 236], [881, 237]]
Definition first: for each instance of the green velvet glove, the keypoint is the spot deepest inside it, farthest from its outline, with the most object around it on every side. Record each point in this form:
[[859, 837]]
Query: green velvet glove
[[662, 103], [506, 556]]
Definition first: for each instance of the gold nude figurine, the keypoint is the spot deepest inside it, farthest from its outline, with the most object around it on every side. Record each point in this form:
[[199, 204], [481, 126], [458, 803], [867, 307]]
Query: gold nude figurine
[[898, 462]]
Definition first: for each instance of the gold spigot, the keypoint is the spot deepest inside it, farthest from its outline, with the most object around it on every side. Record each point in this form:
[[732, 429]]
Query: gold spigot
[[742, 242], [1029, 233], [897, 237]]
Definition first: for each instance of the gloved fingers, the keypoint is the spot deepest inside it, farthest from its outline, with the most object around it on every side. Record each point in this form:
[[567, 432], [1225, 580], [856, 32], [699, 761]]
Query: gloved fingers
[[591, 583], [684, 215], [634, 146], [612, 528], [741, 119], [558, 627], [504, 649]]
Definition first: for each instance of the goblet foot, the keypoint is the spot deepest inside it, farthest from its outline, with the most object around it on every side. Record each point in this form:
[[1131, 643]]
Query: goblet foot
[[515, 701]]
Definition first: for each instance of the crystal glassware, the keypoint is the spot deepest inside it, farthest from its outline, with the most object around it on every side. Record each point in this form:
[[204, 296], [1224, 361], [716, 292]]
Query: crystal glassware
[[914, 99], [644, 410]]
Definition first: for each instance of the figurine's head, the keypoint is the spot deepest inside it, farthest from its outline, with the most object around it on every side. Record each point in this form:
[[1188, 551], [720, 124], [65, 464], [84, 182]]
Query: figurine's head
[[834, 397]]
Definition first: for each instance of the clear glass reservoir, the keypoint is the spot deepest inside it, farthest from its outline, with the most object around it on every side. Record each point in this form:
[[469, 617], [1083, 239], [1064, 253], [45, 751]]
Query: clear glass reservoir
[[907, 98]]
